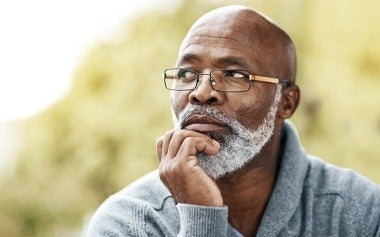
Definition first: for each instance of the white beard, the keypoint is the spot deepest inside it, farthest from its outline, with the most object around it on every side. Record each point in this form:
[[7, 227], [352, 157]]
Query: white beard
[[239, 145]]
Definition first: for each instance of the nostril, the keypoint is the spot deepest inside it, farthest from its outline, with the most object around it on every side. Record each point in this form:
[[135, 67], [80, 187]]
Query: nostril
[[212, 100], [195, 100], [199, 100]]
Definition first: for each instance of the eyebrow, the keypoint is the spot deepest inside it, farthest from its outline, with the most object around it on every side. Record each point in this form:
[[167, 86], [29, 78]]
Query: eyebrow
[[231, 60], [188, 58], [225, 61]]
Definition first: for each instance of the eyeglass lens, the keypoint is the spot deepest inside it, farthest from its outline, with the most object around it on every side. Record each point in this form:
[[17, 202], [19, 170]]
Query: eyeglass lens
[[221, 80]]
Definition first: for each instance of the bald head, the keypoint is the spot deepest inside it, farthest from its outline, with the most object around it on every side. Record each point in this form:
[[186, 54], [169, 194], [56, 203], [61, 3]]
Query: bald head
[[268, 49]]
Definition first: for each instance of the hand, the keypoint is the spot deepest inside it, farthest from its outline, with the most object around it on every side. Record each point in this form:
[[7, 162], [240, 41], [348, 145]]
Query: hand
[[179, 169]]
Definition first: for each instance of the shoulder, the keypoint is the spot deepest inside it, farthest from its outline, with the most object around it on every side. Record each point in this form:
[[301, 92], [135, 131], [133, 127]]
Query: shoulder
[[331, 199], [320, 175], [324, 177], [133, 210], [344, 193]]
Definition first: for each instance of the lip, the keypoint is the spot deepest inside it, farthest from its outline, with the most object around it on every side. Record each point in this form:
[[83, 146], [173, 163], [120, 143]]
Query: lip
[[203, 123]]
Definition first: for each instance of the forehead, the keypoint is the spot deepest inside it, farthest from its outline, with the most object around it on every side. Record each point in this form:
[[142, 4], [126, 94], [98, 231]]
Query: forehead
[[219, 40], [215, 50]]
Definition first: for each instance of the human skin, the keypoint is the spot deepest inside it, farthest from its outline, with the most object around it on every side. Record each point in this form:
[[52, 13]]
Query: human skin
[[232, 37]]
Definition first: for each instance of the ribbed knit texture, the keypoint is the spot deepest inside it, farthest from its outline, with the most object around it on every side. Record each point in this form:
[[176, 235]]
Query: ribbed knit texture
[[202, 221]]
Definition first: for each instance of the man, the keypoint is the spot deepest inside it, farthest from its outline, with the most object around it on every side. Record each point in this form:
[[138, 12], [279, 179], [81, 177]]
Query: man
[[233, 165]]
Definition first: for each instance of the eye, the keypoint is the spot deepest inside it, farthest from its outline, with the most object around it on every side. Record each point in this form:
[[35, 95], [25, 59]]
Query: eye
[[184, 74], [236, 74]]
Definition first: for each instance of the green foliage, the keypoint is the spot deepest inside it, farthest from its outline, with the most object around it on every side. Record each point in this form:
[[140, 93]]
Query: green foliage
[[101, 136]]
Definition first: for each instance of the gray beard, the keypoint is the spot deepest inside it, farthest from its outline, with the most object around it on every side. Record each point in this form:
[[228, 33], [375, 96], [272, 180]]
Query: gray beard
[[239, 145]]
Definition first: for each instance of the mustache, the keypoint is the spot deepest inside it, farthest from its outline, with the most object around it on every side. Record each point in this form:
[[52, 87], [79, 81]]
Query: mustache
[[206, 111]]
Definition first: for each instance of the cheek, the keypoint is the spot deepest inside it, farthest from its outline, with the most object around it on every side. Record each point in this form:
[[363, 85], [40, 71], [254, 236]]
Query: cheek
[[252, 113]]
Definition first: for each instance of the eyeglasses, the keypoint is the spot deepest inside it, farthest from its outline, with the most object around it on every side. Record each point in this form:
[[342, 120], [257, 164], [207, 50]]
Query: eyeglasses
[[230, 80]]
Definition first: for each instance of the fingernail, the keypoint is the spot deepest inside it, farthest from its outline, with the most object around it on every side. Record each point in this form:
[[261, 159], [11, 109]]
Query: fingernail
[[216, 143]]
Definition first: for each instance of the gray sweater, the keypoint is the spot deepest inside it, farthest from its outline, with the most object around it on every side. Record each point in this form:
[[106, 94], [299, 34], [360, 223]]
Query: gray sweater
[[310, 198]]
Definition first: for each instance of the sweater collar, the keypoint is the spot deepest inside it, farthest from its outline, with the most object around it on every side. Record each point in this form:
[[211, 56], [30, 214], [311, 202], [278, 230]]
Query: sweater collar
[[288, 188]]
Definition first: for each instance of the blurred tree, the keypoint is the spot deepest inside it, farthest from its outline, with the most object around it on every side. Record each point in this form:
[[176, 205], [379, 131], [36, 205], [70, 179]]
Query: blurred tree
[[101, 136]]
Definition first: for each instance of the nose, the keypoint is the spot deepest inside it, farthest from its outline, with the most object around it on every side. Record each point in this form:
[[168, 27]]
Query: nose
[[204, 94]]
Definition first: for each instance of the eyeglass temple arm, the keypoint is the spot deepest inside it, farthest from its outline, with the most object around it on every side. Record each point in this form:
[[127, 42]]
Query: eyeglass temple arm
[[267, 79], [168, 76]]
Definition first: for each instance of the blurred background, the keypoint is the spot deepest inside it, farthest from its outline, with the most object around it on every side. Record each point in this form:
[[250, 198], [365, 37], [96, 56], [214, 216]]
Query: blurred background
[[82, 100]]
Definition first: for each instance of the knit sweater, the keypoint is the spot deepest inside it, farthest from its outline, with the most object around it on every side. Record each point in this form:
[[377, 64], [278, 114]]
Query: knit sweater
[[310, 198]]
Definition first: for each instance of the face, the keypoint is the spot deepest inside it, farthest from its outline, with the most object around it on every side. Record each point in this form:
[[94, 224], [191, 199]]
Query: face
[[228, 41]]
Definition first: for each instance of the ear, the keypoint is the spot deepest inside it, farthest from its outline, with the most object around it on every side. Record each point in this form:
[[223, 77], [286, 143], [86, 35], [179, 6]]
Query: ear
[[289, 101]]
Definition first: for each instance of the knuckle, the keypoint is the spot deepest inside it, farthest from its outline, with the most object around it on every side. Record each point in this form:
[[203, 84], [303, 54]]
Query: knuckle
[[188, 141], [162, 173], [178, 135]]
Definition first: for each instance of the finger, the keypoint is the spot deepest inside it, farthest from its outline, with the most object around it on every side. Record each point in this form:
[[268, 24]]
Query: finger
[[165, 143], [176, 140], [159, 143], [212, 147], [193, 145], [178, 137]]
